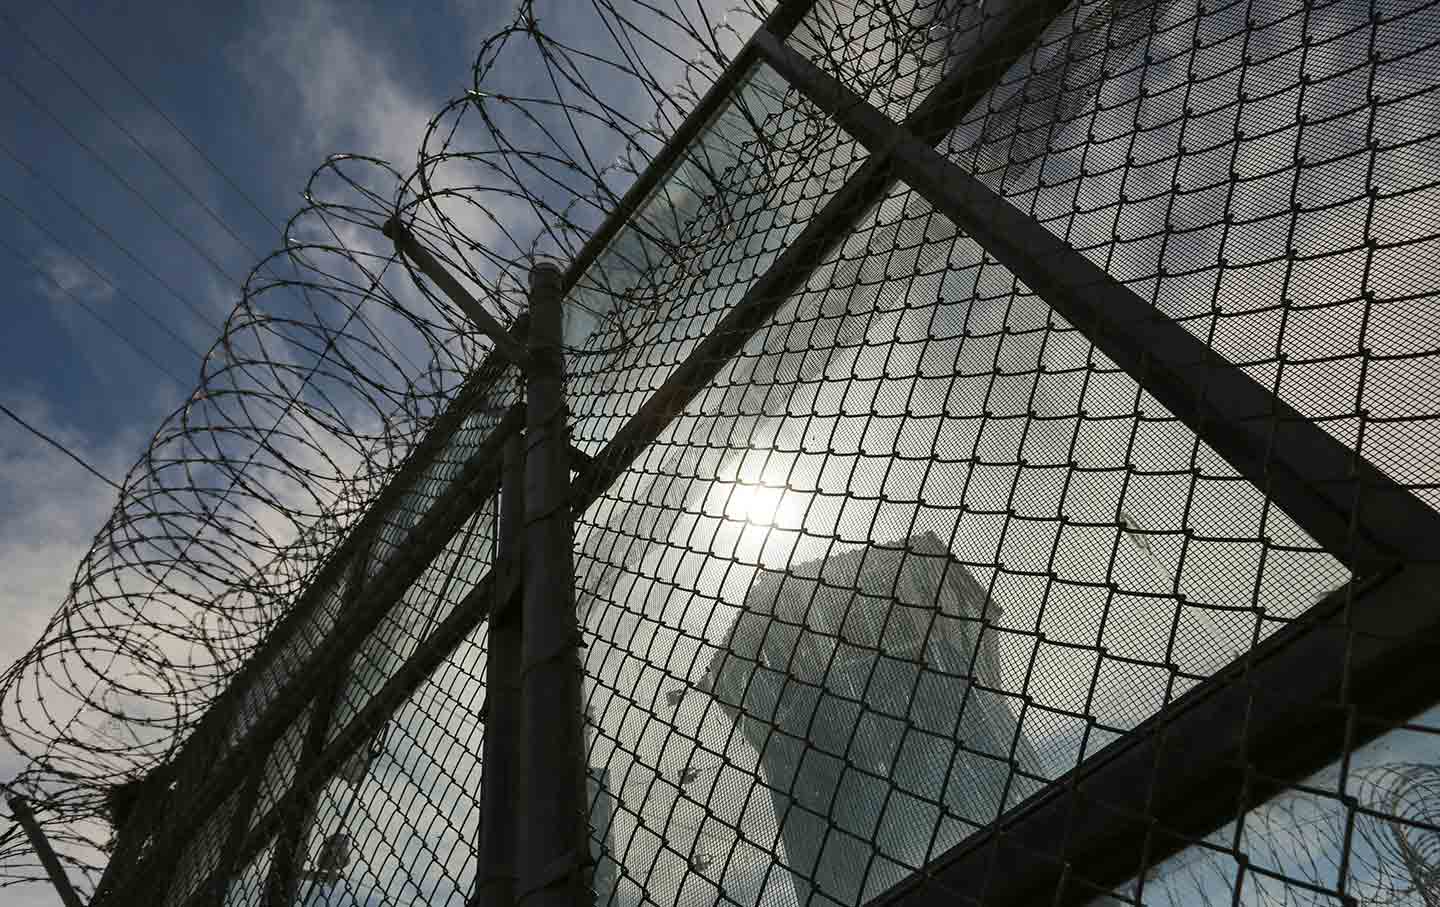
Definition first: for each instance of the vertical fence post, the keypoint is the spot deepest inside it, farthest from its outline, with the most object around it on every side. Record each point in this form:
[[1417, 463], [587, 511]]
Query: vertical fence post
[[552, 843], [495, 876], [21, 810]]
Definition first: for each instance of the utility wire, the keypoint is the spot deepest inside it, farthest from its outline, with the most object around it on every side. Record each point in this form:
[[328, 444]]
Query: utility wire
[[100, 52], [158, 163], [145, 149], [40, 178], [120, 178], [60, 447], [155, 159], [49, 234], [94, 314], [380, 337], [267, 263]]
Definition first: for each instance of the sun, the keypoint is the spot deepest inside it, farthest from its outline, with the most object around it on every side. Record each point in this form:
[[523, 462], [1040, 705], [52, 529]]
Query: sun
[[762, 505]]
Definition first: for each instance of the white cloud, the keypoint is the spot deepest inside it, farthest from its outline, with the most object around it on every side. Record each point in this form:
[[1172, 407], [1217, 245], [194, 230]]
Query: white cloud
[[349, 96], [49, 511], [66, 279]]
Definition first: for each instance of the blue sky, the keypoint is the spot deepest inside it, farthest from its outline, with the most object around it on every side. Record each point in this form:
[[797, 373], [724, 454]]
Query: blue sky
[[265, 90]]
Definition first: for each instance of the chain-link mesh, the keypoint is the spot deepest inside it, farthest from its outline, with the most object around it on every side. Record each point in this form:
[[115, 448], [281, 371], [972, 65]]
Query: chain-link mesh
[[893, 55], [401, 821], [248, 885], [448, 579], [281, 764], [897, 582], [1371, 839], [1256, 171], [918, 549], [755, 177]]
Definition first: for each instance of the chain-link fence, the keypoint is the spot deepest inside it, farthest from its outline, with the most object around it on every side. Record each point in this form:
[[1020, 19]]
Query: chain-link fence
[[1007, 477]]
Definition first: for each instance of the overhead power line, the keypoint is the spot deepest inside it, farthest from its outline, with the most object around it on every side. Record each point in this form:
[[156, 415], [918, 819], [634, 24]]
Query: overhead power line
[[134, 140], [117, 175], [109, 60], [267, 264], [137, 350], [110, 237], [60, 447], [50, 235]]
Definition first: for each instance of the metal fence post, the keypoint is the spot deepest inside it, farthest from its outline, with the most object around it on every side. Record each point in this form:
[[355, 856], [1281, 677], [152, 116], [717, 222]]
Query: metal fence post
[[495, 876], [552, 852], [21, 810]]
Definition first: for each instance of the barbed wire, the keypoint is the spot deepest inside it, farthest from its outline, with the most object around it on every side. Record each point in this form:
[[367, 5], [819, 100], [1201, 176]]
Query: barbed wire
[[330, 369], [1381, 847]]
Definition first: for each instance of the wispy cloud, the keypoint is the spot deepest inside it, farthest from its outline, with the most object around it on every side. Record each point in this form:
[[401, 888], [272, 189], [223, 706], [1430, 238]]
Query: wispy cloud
[[66, 279], [49, 511], [349, 95]]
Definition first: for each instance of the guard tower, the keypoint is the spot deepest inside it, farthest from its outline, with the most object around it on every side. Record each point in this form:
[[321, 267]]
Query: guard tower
[[861, 680]]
